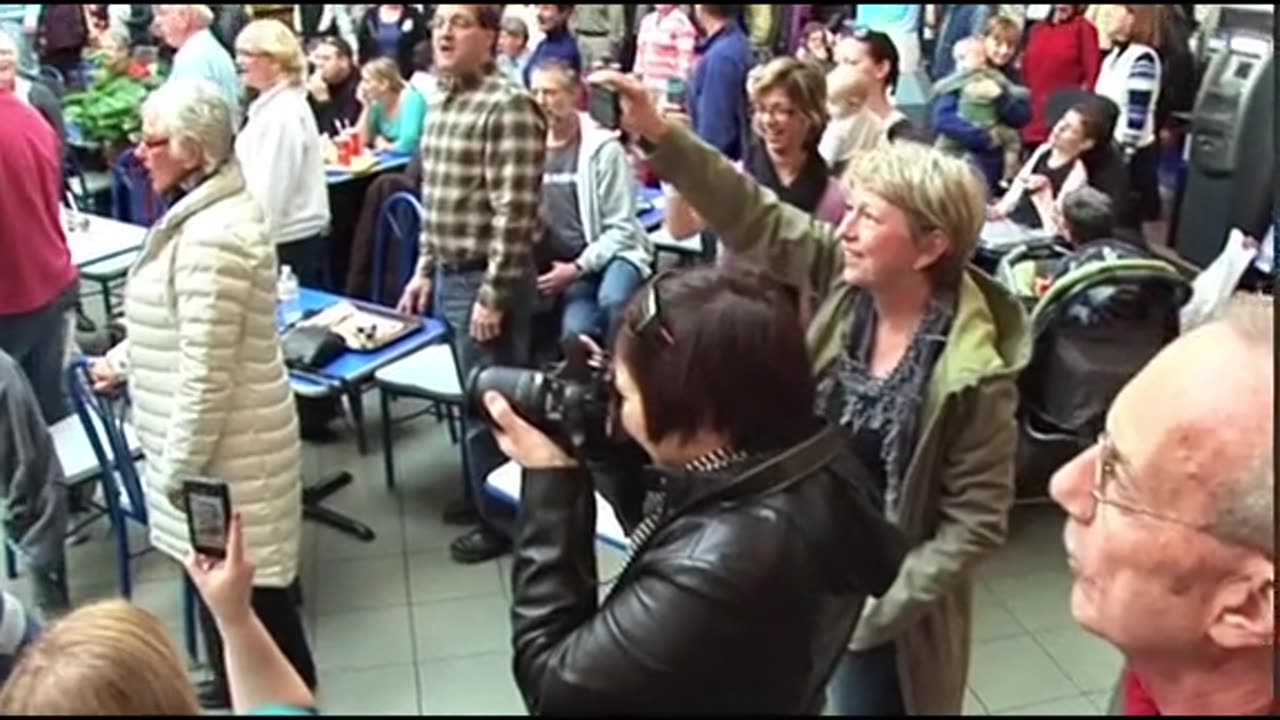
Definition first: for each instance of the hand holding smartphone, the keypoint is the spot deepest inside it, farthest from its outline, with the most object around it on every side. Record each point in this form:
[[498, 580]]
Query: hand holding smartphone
[[605, 106], [208, 505]]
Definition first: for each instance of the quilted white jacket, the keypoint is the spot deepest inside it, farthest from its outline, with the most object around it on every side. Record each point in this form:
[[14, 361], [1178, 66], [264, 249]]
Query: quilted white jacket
[[210, 392]]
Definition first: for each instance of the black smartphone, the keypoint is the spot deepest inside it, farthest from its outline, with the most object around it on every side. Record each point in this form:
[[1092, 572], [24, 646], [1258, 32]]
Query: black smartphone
[[604, 106], [208, 515]]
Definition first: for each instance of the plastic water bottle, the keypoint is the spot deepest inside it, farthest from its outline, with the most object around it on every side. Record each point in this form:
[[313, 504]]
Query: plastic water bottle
[[290, 298]]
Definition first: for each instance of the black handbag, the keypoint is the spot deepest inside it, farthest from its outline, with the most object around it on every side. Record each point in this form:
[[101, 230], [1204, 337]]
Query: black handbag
[[311, 347]]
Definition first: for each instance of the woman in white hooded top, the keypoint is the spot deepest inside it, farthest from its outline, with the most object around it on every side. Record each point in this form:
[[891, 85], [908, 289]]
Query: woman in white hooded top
[[279, 147], [207, 379]]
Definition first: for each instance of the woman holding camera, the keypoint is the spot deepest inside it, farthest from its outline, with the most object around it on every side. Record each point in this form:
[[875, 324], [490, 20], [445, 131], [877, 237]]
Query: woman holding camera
[[917, 358], [746, 579]]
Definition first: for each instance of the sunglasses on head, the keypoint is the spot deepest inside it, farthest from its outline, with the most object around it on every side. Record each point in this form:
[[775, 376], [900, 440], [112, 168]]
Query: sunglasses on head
[[649, 321]]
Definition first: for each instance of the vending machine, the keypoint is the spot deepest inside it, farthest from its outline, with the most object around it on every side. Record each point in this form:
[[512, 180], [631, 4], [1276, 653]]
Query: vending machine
[[1231, 147]]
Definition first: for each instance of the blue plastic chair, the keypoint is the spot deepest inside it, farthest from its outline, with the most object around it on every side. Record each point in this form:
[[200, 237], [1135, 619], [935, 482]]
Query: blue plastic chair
[[104, 420], [399, 224], [429, 374]]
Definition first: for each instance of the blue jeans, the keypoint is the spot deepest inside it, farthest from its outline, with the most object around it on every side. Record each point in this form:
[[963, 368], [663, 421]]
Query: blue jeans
[[866, 683], [455, 294], [592, 304]]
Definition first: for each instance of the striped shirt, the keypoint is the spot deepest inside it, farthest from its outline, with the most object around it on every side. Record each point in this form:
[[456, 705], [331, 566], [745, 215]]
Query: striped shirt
[[1130, 77], [664, 48], [483, 150]]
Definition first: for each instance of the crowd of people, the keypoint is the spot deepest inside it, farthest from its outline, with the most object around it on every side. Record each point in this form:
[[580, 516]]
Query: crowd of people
[[840, 376]]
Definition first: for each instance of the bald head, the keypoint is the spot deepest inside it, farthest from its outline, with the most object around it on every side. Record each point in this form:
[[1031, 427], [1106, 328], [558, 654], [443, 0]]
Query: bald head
[[1204, 405]]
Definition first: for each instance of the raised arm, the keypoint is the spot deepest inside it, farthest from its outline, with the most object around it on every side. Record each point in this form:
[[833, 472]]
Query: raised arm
[[749, 219]]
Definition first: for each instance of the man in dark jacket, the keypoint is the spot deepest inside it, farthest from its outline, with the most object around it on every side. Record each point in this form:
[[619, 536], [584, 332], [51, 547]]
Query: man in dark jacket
[[749, 573], [331, 89]]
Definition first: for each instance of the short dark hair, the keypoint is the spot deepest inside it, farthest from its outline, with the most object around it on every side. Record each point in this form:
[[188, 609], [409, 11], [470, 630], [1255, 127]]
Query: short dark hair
[[1088, 215], [730, 356], [340, 46], [1098, 115], [488, 17], [882, 49]]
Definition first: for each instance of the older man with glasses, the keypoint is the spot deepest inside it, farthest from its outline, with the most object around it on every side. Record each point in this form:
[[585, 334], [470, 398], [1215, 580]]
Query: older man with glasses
[[1170, 532]]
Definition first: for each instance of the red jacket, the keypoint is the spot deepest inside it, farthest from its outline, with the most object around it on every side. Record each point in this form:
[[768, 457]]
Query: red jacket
[[35, 264], [1059, 56]]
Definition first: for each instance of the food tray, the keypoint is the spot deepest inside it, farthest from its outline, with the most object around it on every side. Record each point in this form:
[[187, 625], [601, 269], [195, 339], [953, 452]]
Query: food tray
[[364, 328]]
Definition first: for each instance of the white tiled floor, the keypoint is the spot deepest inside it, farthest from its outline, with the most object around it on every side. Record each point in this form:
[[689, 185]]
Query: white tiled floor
[[398, 628]]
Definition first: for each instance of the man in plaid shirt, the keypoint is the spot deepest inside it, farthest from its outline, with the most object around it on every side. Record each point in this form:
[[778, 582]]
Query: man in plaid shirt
[[483, 152]]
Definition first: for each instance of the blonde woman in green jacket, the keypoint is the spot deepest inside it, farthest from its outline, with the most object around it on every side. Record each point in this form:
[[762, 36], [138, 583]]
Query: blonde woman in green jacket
[[916, 353]]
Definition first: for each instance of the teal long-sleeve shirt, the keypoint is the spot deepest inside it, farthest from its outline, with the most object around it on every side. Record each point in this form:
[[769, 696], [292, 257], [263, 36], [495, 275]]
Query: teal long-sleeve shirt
[[405, 130]]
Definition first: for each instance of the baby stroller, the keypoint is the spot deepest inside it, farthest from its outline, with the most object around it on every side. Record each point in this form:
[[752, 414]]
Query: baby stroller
[[1094, 329], [1023, 269]]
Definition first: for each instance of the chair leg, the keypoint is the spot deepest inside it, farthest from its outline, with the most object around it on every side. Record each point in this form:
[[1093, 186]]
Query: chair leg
[[455, 422], [10, 562], [356, 401], [106, 300], [388, 463]]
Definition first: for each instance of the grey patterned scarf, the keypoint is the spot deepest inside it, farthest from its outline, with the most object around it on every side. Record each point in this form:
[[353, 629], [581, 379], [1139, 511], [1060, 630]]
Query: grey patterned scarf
[[889, 406]]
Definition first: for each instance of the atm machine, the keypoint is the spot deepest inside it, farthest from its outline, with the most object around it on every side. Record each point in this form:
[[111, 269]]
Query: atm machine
[[1231, 148]]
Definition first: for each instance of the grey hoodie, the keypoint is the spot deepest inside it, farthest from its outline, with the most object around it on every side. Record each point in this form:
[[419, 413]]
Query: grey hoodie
[[607, 203]]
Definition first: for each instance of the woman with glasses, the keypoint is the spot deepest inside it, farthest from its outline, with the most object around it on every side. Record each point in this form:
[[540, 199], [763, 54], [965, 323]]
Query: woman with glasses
[[279, 148], [211, 396], [916, 358], [756, 556], [789, 116]]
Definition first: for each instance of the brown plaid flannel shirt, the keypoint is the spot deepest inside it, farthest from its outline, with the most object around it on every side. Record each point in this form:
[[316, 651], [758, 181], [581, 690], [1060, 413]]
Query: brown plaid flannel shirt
[[483, 151]]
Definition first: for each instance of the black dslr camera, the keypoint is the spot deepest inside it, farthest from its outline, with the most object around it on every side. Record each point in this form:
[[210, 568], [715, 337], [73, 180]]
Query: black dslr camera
[[573, 402]]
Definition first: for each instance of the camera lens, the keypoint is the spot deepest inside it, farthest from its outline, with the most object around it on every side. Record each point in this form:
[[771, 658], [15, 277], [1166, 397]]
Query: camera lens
[[524, 389]]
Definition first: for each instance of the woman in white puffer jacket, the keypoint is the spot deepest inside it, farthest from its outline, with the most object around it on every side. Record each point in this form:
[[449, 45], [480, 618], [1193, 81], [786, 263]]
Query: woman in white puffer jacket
[[211, 395]]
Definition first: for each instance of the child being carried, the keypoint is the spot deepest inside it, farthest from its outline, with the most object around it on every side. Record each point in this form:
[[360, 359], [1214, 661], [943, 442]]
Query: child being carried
[[980, 87]]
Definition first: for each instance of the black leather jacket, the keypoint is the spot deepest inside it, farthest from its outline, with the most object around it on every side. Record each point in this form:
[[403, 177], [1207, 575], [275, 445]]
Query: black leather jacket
[[741, 600]]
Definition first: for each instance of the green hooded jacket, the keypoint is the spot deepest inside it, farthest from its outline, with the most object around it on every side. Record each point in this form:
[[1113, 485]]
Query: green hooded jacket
[[959, 484]]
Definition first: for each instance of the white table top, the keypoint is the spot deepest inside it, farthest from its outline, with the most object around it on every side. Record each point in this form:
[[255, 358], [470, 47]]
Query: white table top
[[505, 483], [105, 238]]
